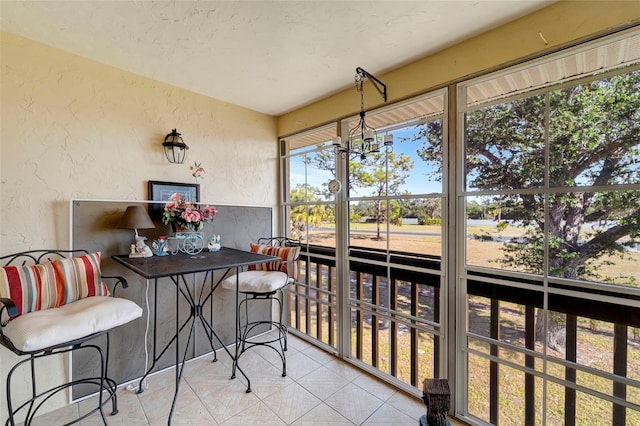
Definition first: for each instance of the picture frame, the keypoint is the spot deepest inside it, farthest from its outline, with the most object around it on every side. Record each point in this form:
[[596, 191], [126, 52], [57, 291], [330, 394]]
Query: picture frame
[[162, 191]]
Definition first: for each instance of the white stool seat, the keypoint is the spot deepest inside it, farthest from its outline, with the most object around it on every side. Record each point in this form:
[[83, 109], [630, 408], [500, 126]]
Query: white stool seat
[[50, 327], [257, 281]]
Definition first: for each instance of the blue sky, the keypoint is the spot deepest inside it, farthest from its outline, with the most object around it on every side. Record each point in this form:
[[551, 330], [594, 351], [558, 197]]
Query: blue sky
[[416, 183]]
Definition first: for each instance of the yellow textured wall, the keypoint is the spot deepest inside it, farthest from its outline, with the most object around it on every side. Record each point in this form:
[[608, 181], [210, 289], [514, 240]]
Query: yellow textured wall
[[74, 128], [561, 24]]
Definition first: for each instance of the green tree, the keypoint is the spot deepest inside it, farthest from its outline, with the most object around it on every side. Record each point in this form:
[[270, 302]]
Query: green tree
[[475, 210], [426, 210], [322, 160], [303, 216], [593, 139], [381, 175], [378, 174]]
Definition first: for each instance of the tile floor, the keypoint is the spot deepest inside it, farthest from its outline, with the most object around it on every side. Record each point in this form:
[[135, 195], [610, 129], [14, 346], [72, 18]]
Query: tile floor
[[319, 389]]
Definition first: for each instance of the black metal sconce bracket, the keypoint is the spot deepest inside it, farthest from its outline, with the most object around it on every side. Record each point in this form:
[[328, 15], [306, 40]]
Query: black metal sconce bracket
[[374, 81]]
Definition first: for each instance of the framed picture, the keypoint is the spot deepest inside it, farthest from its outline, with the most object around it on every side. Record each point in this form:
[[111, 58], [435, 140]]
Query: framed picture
[[162, 191]]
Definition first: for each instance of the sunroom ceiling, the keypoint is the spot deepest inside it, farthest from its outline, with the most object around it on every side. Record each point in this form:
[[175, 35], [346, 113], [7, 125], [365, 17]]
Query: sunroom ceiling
[[269, 56]]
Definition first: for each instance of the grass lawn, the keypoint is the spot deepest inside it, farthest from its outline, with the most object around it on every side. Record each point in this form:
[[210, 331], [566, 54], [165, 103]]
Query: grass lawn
[[427, 239]]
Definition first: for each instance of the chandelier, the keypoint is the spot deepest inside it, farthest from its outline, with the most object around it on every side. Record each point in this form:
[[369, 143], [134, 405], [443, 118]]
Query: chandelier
[[364, 139]]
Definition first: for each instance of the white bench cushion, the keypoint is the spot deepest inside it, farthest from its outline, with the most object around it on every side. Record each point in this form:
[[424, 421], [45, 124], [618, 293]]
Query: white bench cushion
[[258, 281], [42, 329]]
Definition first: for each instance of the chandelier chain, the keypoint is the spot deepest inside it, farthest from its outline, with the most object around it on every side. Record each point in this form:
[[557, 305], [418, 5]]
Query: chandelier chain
[[359, 79]]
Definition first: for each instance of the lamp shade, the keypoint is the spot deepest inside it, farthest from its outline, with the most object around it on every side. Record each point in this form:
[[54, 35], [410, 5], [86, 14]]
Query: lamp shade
[[135, 217]]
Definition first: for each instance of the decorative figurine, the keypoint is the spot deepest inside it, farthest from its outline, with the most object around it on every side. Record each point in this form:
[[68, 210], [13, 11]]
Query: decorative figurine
[[134, 252], [142, 248], [160, 246], [436, 395], [214, 243]]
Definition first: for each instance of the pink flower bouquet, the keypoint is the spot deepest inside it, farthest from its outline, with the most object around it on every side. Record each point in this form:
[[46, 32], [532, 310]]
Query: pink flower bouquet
[[186, 215]]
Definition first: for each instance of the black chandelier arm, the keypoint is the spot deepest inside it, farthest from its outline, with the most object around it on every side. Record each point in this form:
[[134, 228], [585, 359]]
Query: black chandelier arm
[[374, 81], [358, 127], [361, 127]]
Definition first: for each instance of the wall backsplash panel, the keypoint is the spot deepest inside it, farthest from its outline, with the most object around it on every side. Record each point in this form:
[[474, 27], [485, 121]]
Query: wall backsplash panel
[[94, 230]]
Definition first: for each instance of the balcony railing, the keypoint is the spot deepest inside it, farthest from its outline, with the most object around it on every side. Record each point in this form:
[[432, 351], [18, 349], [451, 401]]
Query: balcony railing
[[513, 373], [581, 356], [394, 327], [312, 299]]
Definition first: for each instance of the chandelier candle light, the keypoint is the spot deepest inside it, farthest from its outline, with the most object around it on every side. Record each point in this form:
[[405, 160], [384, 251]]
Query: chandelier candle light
[[363, 139]]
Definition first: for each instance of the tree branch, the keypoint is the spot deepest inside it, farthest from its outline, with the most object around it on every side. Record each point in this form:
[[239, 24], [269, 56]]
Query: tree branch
[[605, 240]]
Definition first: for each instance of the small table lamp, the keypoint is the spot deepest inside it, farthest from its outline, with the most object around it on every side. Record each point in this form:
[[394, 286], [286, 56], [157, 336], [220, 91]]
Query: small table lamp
[[136, 217]]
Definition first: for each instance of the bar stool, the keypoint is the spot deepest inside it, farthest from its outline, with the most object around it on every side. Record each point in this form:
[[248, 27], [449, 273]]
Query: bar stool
[[54, 302], [265, 282]]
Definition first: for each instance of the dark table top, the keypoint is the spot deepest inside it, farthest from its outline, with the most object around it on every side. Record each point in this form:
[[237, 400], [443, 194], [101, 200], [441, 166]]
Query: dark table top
[[171, 265]]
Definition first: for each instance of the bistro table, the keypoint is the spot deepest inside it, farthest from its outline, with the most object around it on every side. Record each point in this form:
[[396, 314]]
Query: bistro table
[[176, 267]]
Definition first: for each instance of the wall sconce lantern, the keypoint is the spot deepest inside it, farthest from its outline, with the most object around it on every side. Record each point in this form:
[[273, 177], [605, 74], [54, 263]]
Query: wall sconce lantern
[[174, 147]]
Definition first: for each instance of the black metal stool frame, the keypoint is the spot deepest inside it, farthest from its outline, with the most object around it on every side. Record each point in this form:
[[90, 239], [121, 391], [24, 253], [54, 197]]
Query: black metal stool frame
[[103, 382], [245, 330]]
